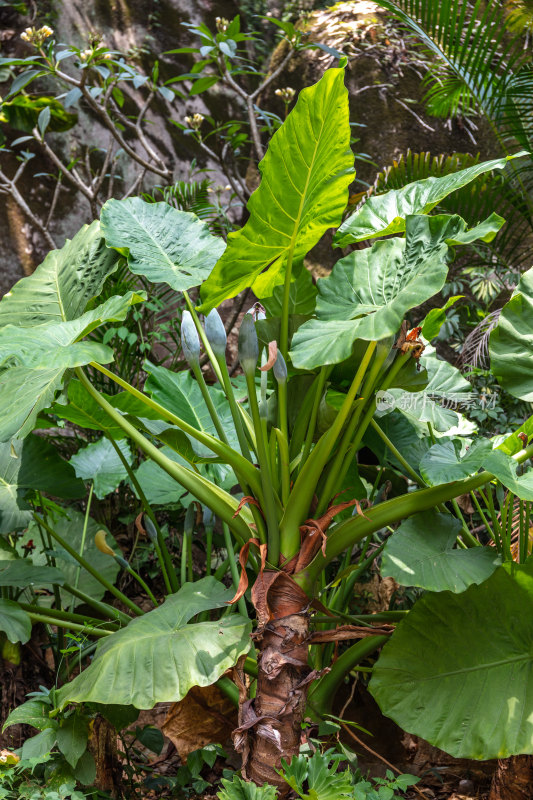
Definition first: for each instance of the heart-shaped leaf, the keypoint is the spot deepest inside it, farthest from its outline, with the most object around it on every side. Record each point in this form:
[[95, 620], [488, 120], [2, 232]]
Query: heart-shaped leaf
[[457, 670], [100, 463], [385, 214], [511, 342], [369, 292], [158, 657], [160, 242], [63, 284], [422, 553], [33, 361], [31, 464], [14, 622], [305, 176]]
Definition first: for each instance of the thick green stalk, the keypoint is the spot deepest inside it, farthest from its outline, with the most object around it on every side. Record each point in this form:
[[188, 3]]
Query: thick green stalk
[[73, 626], [321, 696], [285, 308], [319, 390], [83, 537], [270, 510], [97, 605], [348, 445], [90, 569], [351, 531], [236, 410], [163, 556], [142, 584], [230, 456], [283, 448], [304, 488], [398, 456], [198, 374], [496, 527], [220, 502], [68, 616], [234, 569]]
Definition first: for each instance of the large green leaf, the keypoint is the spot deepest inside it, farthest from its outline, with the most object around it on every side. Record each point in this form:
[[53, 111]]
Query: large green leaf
[[159, 657], [14, 622], [23, 572], [302, 296], [63, 284], [100, 463], [180, 394], [32, 712], [369, 292], [158, 486], [445, 391], [444, 463], [33, 361], [385, 214], [422, 553], [83, 410], [511, 342], [31, 464], [70, 528], [305, 176], [160, 242], [457, 670]]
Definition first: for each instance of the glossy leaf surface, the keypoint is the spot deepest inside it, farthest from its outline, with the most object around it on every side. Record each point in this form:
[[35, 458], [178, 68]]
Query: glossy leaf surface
[[511, 342], [422, 553], [158, 657], [160, 242], [32, 463], [383, 215], [305, 176], [457, 670]]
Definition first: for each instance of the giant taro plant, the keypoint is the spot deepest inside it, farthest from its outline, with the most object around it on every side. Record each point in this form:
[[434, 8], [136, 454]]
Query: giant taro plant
[[327, 370]]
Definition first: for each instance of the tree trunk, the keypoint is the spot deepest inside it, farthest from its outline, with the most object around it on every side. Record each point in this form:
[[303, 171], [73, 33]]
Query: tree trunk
[[270, 724], [513, 779], [103, 746]]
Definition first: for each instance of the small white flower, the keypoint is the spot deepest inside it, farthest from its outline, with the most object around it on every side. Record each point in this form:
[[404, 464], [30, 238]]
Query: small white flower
[[195, 121], [85, 55], [46, 31], [286, 94]]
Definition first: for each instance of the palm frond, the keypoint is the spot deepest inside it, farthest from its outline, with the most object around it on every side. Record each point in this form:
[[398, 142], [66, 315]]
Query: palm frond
[[473, 43], [475, 352]]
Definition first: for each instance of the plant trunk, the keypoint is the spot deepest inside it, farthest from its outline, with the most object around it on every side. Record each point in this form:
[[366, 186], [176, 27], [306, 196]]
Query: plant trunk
[[103, 746], [513, 779], [270, 724]]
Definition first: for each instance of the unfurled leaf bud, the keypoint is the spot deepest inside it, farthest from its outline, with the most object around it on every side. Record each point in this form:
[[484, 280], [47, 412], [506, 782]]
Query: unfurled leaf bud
[[190, 342], [101, 543], [216, 333], [248, 345], [150, 529], [280, 369]]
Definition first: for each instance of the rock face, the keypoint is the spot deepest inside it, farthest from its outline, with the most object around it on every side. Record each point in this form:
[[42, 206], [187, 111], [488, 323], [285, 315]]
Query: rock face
[[384, 81], [384, 77]]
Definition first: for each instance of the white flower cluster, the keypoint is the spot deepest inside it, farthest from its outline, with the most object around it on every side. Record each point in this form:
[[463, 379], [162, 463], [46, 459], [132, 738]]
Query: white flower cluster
[[37, 36], [195, 121], [222, 24], [286, 94]]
